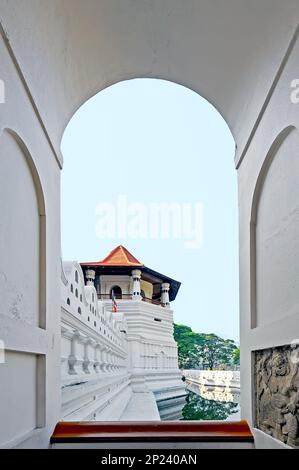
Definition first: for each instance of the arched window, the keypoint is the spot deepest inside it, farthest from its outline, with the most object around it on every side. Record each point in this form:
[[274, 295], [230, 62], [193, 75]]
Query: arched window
[[79, 310], [76, 276], [68, 302], [72, 288], [117, 292], [142, 293], [93, 297], [76, 293], [80, 297]]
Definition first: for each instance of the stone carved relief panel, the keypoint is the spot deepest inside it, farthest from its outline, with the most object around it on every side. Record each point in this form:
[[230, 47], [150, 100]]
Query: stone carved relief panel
[[277, 393]]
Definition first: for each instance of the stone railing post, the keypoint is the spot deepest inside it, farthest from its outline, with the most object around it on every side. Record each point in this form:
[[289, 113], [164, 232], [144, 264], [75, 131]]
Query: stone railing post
[[96, 364], [74, 336], [86, 361]]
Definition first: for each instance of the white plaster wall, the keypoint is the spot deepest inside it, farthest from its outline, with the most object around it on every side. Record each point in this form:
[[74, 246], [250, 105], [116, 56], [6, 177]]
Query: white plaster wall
[[268, 210], [20, 240], [29, 265], [18, 396], [107, 282], [277, 236]]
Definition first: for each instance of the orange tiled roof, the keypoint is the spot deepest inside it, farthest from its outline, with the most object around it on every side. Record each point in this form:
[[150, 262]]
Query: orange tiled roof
[[120, 256]]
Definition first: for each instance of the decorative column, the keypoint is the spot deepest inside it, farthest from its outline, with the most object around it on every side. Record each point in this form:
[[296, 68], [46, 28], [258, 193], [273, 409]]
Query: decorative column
[[165, 294], [116, 362], [108, 361], [86, 361], [102, 359], [111, 361], [136, 275], [72, 359], [90, 275], [96, 364]]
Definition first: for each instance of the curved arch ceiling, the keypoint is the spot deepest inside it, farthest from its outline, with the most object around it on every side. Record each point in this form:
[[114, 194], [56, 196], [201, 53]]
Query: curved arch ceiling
[[227, 51]]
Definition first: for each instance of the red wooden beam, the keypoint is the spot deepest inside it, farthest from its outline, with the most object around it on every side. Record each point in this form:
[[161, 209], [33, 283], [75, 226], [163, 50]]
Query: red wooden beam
[[153, 431]]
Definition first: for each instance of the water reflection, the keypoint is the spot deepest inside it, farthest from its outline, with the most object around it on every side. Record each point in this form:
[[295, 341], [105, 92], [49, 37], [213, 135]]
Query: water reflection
[[206, 403]]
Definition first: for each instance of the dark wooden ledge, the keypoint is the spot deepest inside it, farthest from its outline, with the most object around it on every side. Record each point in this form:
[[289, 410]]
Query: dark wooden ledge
[[152, 431]]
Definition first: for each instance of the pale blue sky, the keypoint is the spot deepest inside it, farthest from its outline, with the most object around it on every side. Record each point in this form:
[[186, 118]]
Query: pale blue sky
[[155, 141]]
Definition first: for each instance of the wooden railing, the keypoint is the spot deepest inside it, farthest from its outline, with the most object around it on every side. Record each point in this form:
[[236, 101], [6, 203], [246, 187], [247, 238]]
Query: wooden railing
[[154, 431]]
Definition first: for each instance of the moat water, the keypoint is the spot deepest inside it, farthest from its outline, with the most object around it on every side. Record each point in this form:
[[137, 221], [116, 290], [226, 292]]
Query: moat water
[[211, 403]]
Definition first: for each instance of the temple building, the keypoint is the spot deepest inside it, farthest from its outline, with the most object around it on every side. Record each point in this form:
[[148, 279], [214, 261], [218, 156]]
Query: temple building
[[121, 272], [119, 357]]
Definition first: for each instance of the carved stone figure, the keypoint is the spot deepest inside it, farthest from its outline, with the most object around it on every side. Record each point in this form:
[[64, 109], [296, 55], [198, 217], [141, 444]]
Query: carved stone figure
[[277, 393]]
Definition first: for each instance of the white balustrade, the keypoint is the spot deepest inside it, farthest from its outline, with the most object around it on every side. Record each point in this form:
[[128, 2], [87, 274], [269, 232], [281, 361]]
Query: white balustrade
[[102, 357]]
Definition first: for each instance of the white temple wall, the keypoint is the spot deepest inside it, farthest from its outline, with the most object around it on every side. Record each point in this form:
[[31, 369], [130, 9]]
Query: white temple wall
[[108, 282], [29, 266], [94, 375], [115, 355], [269, 232]]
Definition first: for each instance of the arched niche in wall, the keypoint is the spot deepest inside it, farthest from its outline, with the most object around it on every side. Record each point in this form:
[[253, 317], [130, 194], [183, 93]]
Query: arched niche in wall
[[274, 231], [23, 219], [116, 291], [22, 291]]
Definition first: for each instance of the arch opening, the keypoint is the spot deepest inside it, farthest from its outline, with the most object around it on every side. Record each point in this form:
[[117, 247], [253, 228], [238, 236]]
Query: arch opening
[[159, 146], [116, 290]]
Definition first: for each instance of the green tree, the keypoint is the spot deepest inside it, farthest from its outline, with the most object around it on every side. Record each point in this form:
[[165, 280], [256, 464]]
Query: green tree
[[196, 348], [188, 342], [236, 356], [216, 351]]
